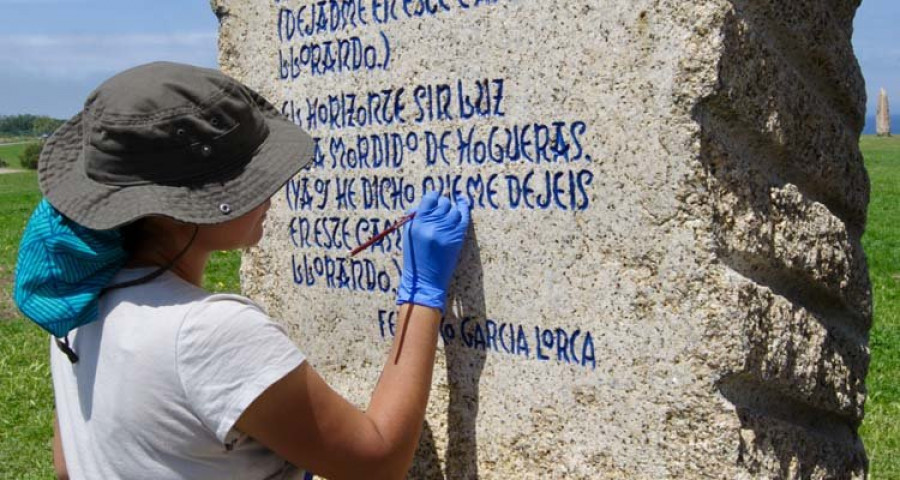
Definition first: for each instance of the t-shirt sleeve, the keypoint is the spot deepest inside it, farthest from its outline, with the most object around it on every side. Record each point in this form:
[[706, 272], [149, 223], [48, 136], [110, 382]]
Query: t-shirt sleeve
[[230, 352]]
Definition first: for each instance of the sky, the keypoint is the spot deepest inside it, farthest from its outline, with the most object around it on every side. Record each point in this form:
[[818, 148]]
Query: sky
[[54, 52], [876, 40]]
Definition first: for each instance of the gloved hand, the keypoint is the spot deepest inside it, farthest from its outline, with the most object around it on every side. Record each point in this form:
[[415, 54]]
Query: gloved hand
[[431, 245]]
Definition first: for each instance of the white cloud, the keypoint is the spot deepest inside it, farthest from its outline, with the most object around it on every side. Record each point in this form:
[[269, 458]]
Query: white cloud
[[80, 56]]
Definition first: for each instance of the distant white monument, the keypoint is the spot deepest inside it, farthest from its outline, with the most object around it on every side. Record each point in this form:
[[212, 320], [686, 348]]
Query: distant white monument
[[883, 116]]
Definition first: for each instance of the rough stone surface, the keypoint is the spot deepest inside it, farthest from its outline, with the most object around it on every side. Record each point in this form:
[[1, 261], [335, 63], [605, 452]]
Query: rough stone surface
[[883, 115], [704, 309]]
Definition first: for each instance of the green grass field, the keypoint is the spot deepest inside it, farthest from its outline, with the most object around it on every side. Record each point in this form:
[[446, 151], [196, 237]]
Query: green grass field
[[881, 428], [26, 397], [10, 154]]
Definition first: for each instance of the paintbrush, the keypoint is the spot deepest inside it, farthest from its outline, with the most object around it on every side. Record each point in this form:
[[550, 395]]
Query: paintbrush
[[376, 238]]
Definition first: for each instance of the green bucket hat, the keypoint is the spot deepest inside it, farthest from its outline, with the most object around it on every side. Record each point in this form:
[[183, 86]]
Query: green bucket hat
[[169, 139]]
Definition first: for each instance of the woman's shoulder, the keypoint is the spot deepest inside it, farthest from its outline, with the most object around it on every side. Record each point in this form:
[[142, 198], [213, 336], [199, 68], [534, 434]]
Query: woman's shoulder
[[171, 290]]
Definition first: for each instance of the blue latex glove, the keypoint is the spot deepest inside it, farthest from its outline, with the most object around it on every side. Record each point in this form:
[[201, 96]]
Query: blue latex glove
[[431, 245]]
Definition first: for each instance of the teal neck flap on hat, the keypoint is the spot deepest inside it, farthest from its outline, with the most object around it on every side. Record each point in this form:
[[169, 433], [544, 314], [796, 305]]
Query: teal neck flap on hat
[[63, 268]]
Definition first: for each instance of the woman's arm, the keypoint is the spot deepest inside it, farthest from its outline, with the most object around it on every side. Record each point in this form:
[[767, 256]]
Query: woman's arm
[[302, 419], [59, 460]]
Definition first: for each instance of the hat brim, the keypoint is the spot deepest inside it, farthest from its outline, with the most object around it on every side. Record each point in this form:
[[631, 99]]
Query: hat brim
[[63, 181]]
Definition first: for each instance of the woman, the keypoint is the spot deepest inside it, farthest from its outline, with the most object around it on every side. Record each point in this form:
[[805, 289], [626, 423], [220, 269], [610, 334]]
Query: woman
[[155, 377]]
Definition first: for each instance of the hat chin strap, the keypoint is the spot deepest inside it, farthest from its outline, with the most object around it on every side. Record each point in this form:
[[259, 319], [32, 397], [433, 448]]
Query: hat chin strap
[[64, 343], [67, 349], [159, 271]]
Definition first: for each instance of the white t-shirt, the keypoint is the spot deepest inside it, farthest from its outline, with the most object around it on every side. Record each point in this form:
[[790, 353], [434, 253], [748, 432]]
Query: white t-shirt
[[161, 380]]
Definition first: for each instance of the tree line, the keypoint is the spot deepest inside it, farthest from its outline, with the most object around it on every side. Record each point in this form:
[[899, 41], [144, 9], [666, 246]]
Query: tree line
[[28, 125]]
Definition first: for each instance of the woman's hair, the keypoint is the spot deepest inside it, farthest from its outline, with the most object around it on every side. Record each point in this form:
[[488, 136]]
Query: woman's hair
[[132, 236]]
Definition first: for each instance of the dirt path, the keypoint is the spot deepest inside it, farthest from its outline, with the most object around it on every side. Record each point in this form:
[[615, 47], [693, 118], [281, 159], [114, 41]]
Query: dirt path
[[10, 170]]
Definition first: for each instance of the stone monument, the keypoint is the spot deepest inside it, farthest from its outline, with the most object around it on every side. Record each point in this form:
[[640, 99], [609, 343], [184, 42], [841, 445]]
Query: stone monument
[[664, 277], [883, 115]]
